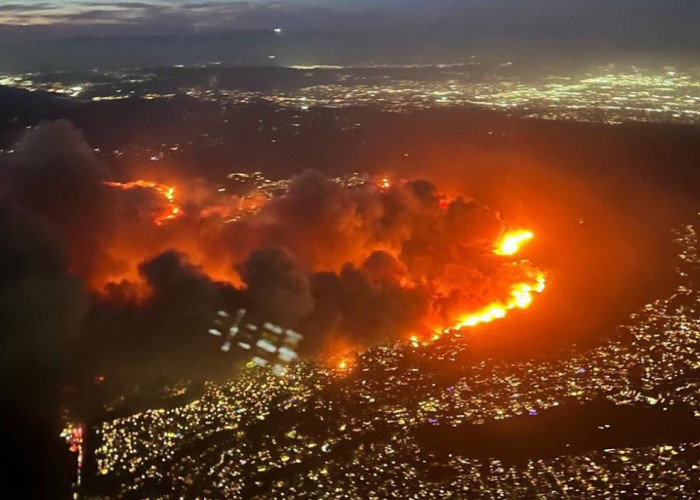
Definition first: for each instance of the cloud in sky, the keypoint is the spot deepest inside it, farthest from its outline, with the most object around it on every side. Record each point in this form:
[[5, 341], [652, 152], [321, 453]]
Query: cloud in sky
[[586, 19], [156, 13]]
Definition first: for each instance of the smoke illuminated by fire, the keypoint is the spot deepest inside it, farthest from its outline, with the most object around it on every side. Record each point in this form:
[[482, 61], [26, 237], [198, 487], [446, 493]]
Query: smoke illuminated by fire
[[520, 294], [353, 259], [172, 210], [349, 262]]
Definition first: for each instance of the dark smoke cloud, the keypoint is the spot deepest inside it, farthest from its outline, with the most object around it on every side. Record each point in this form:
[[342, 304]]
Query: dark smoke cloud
[[47, 202], [361, 263], [366, 264], [41, 305], [277, 286], [361, 246], [54, 172], [41, 311], [327, 225], [365, 305], [165, 335], [184, 299], [67, 225], [322, 223]]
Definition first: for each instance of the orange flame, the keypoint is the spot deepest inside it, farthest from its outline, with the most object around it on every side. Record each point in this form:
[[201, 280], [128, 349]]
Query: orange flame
[[173, 210], [521, 294], [512, 241], [520, 298]]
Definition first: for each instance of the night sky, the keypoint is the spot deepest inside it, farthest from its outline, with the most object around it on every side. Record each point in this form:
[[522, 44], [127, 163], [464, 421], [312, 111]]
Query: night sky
[[643, 19]]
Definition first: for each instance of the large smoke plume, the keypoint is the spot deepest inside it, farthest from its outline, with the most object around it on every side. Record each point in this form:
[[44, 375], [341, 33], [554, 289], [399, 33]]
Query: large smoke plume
[[361, 263]]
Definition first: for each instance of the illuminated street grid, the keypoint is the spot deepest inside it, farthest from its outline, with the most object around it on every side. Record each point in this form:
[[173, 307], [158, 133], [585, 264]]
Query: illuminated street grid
[[606, 94], [351, 433], [609, 97], [396, 470]]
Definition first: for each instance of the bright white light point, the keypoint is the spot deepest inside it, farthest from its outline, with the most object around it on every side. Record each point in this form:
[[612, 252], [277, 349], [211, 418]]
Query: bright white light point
[[278, 30]]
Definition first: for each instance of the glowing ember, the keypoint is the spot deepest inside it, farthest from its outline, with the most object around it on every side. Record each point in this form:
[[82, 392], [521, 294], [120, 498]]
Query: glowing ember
[[511, 242], [172, 211]]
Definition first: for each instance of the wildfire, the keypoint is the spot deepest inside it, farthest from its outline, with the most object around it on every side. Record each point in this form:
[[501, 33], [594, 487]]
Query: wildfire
[[518, 295], [511, 242], [520, 298], [521, 294], [172, 211]]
